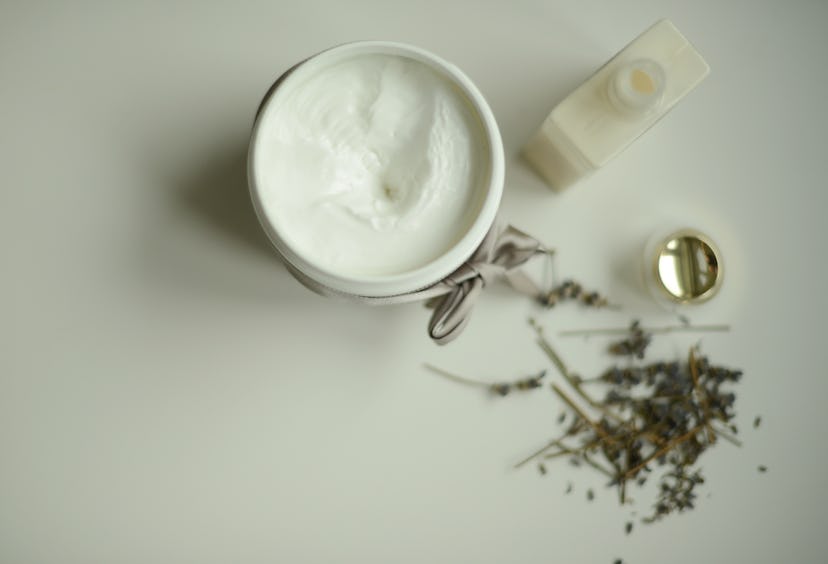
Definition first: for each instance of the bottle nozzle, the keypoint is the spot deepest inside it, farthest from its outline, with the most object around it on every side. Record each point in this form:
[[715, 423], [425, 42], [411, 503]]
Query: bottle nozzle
[[637, 87]]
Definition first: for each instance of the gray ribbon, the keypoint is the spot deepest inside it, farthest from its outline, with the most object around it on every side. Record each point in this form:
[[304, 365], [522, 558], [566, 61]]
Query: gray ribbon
[[500, 254]]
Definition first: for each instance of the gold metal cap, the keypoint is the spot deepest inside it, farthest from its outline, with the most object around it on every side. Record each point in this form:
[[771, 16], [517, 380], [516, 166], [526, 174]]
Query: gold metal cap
[[688, 267]]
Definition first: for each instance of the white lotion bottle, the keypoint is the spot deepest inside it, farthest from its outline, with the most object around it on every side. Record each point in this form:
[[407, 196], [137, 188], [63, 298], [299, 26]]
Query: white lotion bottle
[[616, 105]]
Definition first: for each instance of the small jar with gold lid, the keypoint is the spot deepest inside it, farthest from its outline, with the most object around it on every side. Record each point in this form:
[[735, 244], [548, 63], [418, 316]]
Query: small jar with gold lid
[[683, 267]]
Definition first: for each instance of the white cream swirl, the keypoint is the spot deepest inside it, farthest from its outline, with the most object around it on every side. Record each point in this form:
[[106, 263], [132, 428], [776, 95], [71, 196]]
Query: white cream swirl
[[372, 165]]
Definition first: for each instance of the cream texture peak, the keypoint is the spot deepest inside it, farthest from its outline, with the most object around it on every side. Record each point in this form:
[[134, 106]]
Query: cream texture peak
[[374, 165]]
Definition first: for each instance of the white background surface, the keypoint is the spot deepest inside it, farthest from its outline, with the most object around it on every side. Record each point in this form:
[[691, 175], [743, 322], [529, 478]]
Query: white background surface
[[168, 394]]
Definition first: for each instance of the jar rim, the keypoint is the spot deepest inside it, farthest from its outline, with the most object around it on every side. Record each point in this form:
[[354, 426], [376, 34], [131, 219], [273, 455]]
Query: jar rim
[[448, 261]]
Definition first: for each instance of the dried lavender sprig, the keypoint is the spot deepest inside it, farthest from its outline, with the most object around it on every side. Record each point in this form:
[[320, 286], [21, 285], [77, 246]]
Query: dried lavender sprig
[[570, 290], [497, 388], [683, 401], [722, 328], [574, 380]]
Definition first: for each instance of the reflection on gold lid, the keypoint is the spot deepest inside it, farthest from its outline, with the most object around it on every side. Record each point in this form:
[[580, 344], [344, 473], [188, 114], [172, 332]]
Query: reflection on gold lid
[[688, 267]]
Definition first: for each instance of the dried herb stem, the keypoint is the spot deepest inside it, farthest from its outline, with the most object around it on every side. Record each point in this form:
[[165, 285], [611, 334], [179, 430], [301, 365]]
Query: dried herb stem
[[577, 409], [597, 466], [560, 453], [656, 330], [622, 491], [652, 437], [540, 451], [456, 377], [663, 450], [566, 451], [622, 487], [573, 380], [727, 436], [700, 394]]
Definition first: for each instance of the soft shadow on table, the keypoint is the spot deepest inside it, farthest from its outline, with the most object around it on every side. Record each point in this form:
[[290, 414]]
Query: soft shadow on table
[[218, 194], [205, 241], [628, 276], [525, 116], [210, 246]]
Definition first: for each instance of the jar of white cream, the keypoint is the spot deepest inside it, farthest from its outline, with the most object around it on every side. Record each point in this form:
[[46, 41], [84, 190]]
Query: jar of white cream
[[375, 168]]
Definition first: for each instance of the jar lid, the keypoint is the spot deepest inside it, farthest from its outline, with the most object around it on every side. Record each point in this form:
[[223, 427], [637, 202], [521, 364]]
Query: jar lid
[[688, 267]]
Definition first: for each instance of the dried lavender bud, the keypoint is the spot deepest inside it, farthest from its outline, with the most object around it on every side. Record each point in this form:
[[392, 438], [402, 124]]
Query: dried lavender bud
[[594, 299], [616, 397], [635, 344], [561, 418], [531, 383], [568, 488], [542, 468], [757, 421], [676, 492], [763, 468], [590, 494], [571, 290], [500, 389], [628, 527]]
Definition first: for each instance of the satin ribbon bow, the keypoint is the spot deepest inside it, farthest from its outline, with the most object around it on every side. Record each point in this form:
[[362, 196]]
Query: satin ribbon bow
[[500, 254], [498, 257]]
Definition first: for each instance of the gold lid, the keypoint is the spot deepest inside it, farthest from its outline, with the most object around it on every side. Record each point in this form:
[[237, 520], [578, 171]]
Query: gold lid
[[688, 267]]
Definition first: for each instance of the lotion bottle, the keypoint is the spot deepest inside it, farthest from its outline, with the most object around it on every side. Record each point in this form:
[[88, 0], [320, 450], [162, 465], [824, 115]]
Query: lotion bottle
[[617, 104]]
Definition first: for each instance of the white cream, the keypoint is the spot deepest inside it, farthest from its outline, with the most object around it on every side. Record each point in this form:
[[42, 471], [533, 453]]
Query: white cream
[[373, 166]]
